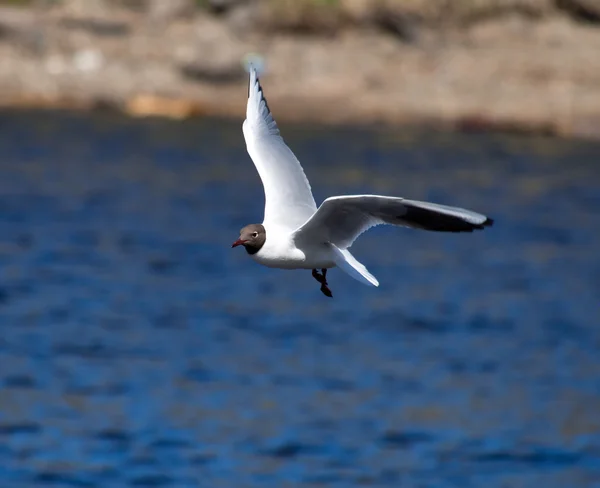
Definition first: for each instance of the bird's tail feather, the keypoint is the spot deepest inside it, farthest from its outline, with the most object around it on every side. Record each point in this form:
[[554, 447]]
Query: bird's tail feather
[[348, 263]]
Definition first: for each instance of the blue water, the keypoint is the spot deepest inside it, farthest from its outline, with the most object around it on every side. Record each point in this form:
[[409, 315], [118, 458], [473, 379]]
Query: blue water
[[137, 349]]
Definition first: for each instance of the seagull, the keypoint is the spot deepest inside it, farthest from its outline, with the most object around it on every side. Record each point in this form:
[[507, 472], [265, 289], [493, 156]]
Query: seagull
[[295, 234]]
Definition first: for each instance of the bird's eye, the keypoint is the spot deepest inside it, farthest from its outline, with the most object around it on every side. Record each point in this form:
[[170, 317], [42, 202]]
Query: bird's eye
[[255, 234]]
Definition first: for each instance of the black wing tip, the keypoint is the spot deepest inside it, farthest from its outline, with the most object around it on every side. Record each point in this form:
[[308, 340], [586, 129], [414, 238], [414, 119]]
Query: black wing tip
[[250, 69], [261, 93], [427, 220], [487, 223]]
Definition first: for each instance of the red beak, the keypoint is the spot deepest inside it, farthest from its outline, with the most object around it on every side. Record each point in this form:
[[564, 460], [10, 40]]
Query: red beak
[[237, 243]]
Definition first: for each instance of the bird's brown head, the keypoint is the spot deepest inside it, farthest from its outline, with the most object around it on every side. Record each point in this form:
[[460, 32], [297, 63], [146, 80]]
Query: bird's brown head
[[252, 237]]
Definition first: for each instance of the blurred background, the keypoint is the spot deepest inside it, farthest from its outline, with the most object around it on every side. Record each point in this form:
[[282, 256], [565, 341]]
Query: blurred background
[[137, 349]]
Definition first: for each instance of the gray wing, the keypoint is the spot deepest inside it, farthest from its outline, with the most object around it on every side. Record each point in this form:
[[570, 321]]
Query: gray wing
[[340, 220]]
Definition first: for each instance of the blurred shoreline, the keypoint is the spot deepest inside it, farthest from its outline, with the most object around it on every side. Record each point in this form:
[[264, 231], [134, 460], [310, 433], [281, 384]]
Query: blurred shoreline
[[527, 65]]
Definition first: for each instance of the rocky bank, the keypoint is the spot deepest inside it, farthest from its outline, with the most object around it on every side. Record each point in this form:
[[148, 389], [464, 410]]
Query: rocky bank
[[523, 65]]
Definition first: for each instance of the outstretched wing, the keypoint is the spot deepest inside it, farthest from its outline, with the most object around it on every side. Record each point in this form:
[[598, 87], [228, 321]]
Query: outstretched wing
[[288, 198], [340, 220]]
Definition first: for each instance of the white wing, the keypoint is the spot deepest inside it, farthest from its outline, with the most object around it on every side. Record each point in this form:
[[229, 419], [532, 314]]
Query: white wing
[[340, 220], [288, 199]]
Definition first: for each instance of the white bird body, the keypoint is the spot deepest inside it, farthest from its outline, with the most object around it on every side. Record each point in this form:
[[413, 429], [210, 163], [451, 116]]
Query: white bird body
[[281, 251], [295, 234]]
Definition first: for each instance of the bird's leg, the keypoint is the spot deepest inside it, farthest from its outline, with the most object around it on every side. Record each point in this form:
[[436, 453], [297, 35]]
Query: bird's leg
[[318, 276], [322, 278], [326, 291], [324, 288]]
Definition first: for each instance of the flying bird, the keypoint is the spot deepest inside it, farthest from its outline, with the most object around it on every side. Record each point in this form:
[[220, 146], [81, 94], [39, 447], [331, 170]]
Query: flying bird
[[295, 234]]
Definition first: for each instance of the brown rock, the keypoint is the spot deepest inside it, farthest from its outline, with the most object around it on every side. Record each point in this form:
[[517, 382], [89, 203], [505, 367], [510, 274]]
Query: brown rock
[[15, 22], [587, 10], [96, 26], [165, 11], [223, 6], [201, 71], [157, 106]]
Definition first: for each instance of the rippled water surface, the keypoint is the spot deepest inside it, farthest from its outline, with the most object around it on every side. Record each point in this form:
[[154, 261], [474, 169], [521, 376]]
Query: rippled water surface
[[139, 350]]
